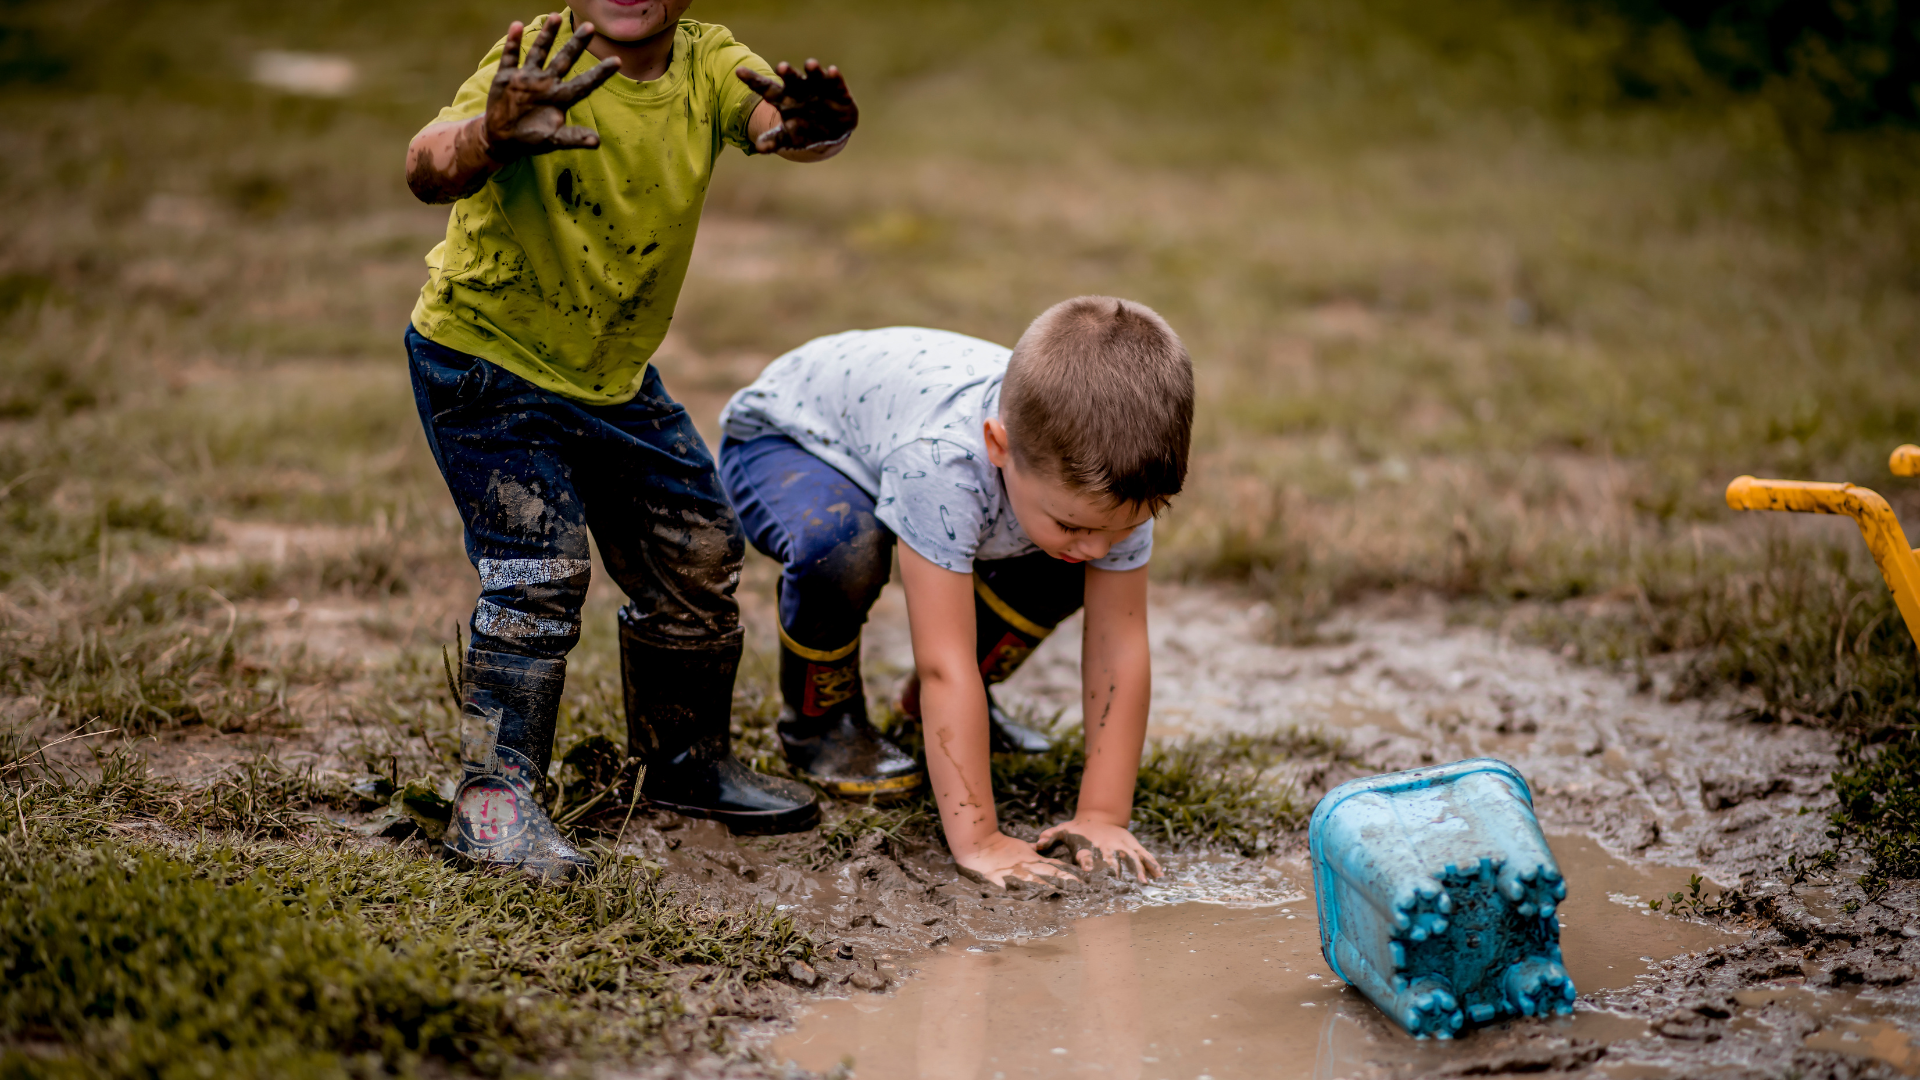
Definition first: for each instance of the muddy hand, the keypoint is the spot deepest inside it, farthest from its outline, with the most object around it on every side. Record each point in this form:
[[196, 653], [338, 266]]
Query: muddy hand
[[1003, 861], [1092, 844], [815, 108], [527, 104]]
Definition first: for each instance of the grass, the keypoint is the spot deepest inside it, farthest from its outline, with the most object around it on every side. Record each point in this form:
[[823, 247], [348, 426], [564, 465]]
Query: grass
[[324, 956]]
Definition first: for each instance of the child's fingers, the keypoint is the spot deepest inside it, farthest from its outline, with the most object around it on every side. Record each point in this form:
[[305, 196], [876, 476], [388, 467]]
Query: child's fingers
[[563, 60], [758, 83], [575, 138], [1147, 863], [537, 55], [586, 83], [510, 55]]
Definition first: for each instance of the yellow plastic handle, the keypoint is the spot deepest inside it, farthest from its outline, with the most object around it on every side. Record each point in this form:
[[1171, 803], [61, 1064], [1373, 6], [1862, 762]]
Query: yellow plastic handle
[[1905, 461], [1878, 525]]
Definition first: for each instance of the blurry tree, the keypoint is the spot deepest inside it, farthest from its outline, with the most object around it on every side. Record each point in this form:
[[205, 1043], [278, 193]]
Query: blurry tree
[[1836, 65]]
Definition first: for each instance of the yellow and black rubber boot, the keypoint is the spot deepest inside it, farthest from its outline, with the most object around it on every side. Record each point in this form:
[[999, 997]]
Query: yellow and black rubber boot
[[506, 741], [1004, 639], [825, 731]]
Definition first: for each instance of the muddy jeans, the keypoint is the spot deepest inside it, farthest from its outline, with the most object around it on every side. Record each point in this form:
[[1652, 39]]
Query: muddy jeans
[[533, 473], [837, 556]]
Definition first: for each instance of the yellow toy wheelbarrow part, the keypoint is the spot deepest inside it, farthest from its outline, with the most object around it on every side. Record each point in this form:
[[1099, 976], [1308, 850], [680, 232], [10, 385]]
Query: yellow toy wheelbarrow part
[[1898, 561]]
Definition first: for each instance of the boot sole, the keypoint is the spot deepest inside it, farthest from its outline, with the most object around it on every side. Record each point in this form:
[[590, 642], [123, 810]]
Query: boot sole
[[891, 787], [553, 873], [751, 823]]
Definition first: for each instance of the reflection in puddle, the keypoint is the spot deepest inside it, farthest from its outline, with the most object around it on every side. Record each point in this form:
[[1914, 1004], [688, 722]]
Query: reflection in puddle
[[1196, 989], [1870, 1038], [1851, 1023]]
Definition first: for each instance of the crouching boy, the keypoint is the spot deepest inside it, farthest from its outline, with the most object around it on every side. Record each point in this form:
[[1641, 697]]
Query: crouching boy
[[576, 201], [1023, 485]]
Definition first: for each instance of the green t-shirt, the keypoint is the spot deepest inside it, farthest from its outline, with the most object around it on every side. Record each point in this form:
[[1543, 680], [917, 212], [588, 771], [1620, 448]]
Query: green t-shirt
[[565, 268]]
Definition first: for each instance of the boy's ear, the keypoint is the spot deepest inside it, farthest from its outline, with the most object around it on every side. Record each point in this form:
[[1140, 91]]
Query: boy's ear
[[999, 451]]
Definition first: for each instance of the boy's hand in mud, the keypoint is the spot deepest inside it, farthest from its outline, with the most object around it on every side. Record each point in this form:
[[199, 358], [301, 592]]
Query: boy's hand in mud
[[527, 104], [1095, 843], [816, 111], [1003, 859]]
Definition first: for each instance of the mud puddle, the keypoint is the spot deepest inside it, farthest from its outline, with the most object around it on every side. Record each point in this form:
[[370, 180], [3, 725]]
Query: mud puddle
[[1209, 989]]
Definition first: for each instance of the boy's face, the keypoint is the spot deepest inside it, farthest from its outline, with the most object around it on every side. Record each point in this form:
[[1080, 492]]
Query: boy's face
[[629, 20], [1069, 525]]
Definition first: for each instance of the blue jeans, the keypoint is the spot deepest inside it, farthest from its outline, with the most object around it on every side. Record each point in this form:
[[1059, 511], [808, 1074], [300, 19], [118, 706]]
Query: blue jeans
[[836, 556], [534, 473]]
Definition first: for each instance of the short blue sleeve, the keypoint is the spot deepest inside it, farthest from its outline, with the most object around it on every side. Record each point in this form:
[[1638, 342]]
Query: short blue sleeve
[[933, 497]]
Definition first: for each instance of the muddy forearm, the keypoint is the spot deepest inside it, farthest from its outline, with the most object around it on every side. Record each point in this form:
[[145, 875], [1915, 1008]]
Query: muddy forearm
[[954, 711], [450, 161], [1117, 686]]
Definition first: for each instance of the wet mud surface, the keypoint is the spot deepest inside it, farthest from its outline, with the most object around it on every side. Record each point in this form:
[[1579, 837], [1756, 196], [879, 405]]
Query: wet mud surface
[[1225, 989], [1636, 792]]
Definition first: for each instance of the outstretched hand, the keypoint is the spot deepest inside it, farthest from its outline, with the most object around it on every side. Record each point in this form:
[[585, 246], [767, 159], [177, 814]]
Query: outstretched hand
[[1094, 843], [527, 104], [816, 111]]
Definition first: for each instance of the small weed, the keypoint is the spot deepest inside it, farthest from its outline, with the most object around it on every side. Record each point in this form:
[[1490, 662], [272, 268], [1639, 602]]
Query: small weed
[[1800, 871], [1696, 903], [1878, 790]]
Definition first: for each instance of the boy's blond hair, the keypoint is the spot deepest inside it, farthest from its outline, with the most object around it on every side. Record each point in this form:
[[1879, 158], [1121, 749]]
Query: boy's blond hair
[[1099, 393]]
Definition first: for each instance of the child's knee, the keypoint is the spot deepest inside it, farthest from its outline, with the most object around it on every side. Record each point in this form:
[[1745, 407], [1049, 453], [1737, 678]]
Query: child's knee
[[853, 559], [530, 606]]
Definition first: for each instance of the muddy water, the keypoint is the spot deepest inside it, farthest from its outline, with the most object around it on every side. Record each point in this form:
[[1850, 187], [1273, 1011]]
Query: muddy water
[[1194, 989]]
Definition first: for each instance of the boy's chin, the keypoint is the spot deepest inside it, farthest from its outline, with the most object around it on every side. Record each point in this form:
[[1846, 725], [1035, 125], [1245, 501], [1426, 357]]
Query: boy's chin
[[630, 23]]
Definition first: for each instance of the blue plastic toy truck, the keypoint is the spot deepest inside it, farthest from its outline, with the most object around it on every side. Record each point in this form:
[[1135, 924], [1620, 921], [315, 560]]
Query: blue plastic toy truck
[[1437, 892]]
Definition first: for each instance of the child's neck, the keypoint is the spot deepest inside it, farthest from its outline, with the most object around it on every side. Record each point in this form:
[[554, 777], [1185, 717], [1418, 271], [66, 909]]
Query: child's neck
[[642, 61]]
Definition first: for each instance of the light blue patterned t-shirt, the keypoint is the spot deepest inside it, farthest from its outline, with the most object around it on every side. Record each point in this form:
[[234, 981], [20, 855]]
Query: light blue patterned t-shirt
[[901, 411]]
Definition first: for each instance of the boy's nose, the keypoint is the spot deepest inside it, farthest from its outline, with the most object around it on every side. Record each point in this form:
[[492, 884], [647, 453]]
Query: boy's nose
[[1091, 549]]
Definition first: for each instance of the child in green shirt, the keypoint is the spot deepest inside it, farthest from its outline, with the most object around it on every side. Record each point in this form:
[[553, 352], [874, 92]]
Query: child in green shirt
[[577, 188]]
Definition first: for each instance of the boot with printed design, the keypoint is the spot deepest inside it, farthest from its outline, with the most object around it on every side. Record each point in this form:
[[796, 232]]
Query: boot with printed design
[[506, 742]]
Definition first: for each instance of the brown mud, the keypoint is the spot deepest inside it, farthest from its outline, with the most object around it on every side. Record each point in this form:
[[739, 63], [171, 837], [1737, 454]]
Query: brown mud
[[1638, 792], [1226, 990]]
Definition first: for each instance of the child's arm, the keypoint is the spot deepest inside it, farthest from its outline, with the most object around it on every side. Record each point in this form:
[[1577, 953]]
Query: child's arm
[[1116, 686], [953, 709], [807, 115], [526, 115]]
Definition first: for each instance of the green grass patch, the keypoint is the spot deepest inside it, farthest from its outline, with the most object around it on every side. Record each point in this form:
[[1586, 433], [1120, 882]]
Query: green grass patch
[[307, 952], [138, 966]]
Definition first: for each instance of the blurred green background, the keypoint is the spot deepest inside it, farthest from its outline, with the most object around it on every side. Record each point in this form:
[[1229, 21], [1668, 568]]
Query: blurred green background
[[1487, 300]]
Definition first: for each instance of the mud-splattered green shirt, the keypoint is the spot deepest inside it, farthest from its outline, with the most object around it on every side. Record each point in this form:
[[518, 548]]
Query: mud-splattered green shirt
[[564, 269]]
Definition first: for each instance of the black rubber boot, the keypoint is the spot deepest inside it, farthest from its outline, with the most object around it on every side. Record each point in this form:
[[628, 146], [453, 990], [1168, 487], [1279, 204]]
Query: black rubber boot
[[506, 742], [679, 709], [825, 731], [1003, 640], [998, 662]]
